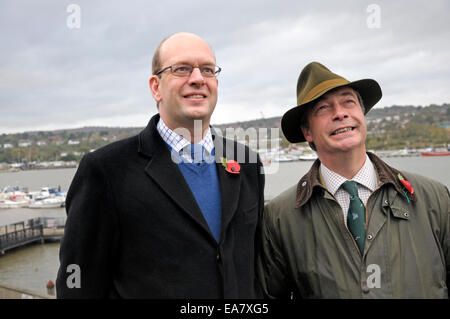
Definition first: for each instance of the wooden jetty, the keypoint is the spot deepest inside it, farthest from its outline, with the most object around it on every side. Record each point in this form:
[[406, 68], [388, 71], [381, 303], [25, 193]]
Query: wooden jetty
[[39, 230], [27, 232]]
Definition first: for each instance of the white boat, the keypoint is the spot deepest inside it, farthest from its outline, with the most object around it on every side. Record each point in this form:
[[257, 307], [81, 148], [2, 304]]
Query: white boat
[[15, 200], [43, 193], [308, 157], [51, 202], [13, 204], [284, 158], [9, 191]]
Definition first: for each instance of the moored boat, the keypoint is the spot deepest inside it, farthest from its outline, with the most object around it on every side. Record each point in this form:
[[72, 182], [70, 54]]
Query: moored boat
[[308, 157], [51, 202], [13, 203], [435, 153], [286, 158], [14, 200]]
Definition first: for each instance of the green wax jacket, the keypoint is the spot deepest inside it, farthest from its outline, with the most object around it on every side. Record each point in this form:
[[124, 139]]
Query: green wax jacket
[[308, 252]]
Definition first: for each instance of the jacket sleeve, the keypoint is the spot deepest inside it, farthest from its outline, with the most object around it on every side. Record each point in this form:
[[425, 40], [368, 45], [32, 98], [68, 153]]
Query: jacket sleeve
[[271, 266], [446, 238], [90, 235]]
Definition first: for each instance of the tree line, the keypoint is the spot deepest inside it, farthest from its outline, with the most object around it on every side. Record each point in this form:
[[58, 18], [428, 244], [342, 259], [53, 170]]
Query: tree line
[[389, 128]]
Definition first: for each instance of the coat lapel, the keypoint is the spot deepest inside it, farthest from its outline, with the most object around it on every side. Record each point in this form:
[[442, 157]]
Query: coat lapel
[[165, 172], [229, 183]]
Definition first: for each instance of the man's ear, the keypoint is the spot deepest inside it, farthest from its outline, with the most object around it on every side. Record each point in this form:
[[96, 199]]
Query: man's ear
[[154, 88], [307, 134]]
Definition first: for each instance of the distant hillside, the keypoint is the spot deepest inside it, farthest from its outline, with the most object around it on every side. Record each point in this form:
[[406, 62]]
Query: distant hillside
[[393, 127], [259, 123]]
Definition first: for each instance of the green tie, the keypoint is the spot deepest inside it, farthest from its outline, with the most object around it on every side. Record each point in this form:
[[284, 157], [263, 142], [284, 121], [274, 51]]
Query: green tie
[[356, 220]]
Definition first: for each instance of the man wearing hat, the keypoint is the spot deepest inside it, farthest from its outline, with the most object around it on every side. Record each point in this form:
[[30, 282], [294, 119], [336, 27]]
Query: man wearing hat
[[353, 227]]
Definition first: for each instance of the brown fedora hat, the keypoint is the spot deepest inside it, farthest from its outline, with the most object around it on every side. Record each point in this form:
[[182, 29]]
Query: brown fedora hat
[[314, 81]]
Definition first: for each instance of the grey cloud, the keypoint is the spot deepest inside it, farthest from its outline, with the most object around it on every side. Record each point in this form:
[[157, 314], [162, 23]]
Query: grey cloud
[[53, 76]]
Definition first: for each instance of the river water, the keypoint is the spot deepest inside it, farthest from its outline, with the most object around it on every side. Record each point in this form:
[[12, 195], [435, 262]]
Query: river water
[[33, 266]]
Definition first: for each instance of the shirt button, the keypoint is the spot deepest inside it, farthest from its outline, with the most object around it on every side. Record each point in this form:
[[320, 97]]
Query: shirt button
[[218, 257], [369, 237], [304, 184]]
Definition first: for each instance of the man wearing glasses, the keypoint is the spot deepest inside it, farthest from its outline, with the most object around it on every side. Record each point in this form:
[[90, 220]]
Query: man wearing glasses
[[167, 213]]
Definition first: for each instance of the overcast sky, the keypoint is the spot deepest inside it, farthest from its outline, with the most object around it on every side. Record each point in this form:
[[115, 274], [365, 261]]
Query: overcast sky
[[53, 76]]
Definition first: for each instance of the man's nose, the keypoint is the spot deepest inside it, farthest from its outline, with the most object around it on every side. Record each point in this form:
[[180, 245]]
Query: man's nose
[[196, 77], [340, 112]]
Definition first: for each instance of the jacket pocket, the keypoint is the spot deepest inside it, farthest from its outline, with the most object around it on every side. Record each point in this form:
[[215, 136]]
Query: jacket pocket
[[400, 212]]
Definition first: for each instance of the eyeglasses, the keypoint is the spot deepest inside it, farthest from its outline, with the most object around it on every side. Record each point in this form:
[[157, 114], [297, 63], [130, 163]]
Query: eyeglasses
[[183, 70]]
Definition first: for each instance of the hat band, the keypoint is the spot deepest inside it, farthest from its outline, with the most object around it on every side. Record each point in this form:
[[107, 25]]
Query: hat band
[[322, 86]]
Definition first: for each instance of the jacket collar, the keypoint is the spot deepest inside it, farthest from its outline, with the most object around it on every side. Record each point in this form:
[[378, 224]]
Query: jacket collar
[[166, 174], [149, 139], [312, 180]]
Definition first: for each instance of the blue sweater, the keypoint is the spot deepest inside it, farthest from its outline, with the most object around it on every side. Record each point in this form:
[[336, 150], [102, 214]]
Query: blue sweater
[[204, 183]]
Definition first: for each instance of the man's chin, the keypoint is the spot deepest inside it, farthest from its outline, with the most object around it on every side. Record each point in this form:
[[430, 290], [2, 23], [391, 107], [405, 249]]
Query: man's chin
[[198, 114], [350, 147], [347, 145]]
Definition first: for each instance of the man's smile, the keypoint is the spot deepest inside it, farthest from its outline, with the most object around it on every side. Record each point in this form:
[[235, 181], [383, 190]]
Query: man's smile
[[195, 96], [343, 130]]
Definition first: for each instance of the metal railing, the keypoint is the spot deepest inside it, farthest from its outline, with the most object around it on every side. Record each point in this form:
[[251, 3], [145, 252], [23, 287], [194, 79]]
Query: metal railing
[[17, 237]]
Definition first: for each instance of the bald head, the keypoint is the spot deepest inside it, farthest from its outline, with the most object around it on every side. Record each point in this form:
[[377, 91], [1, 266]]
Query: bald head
[[177, 40], [182, 99]]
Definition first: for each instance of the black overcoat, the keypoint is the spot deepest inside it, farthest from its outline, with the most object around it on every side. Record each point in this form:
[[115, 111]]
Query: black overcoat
[[134, 229]]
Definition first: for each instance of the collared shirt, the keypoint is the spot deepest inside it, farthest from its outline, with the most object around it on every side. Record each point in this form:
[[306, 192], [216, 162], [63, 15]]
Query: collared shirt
[[182, 146], [366, 180]]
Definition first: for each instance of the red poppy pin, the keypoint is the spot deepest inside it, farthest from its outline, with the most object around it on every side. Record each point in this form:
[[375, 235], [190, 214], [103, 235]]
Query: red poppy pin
[[406, 183], [407, 186], [231, 166]]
